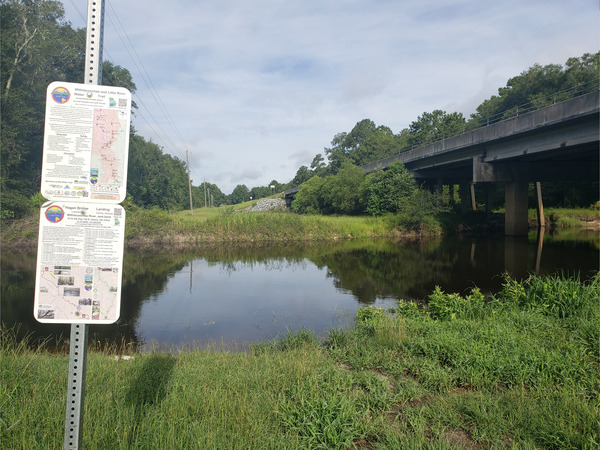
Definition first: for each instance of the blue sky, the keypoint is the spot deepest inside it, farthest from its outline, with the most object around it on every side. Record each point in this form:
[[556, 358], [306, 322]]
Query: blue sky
[[256, 88]]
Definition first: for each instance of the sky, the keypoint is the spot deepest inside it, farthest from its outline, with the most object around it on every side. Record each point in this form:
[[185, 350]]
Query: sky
[[254, 89]]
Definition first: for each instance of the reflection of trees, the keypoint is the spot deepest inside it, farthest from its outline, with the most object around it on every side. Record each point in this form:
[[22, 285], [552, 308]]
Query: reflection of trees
[[17, 290], [367, 269], [145, 275], [384, 269]]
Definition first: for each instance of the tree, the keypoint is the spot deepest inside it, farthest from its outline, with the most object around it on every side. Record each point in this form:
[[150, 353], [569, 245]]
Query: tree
[[387, 191], [155, 178], [309, 199], [318, 165], [214, 196], [303, 174], [275, 186], [358, 136], [336, 154], [240, 194], [366, 143], [395, 190], [435, 126], [341, 191], [31, 59], [539, 86], [379, 144]]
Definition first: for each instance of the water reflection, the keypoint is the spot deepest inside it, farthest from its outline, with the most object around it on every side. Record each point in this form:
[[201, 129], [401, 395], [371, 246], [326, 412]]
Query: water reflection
[[246, 293]]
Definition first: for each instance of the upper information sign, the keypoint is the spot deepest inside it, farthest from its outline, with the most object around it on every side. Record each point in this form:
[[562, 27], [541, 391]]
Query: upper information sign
[[86, 142]]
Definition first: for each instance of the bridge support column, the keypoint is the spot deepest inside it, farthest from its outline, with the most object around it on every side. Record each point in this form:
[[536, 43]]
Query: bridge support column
[[463, 190], [516, 203]]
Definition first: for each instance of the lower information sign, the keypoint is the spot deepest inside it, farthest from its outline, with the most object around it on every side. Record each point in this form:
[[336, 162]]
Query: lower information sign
[[79, 263]]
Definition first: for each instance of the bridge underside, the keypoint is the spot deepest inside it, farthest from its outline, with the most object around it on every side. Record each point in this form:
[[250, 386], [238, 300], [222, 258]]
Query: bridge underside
[[516, 154], [565, 163], [556, 143]]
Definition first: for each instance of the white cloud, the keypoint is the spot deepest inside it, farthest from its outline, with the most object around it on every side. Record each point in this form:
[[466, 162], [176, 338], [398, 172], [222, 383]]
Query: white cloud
[[258, 88]]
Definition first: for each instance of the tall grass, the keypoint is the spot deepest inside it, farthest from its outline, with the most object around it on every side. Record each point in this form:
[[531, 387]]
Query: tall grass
[[224, 224]]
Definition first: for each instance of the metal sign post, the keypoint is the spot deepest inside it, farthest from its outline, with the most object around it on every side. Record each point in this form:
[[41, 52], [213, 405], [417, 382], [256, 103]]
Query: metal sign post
[[79, 332], [82, 227], [76, 384]]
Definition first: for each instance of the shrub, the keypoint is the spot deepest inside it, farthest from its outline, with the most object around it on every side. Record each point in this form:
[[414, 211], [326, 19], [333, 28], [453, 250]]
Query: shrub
[[553, 295], [407, 309], [451, 306]]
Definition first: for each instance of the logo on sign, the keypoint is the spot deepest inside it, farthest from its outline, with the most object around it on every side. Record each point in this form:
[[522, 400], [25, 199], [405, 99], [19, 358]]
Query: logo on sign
[[54, 214], [61, 95]]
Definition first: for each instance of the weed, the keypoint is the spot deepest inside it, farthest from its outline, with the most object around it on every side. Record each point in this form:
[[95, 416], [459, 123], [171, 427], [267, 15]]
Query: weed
[[321, 413]]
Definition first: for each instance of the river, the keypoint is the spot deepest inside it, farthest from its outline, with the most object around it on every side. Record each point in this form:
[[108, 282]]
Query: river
[[235, 295]]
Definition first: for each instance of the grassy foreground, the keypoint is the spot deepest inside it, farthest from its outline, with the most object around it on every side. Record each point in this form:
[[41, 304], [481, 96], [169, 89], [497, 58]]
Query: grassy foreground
[[517, 370]]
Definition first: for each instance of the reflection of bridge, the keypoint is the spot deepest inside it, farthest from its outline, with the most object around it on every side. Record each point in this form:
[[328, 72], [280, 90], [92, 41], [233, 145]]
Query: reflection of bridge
[[556, 143]]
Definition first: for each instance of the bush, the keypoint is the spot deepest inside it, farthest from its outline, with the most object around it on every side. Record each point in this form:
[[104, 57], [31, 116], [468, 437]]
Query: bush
[[452, 306], [407, 309], [553, 295]]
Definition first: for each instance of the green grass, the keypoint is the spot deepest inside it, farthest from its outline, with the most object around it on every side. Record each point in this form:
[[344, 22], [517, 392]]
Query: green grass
[[517, 370], [567, 218], [225, 224]]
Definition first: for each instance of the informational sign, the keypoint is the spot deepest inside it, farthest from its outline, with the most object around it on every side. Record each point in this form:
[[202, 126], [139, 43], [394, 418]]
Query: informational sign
[[86, 142], [79, 265]]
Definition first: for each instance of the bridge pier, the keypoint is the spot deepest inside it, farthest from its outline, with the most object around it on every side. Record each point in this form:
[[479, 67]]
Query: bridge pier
[[516, 208]]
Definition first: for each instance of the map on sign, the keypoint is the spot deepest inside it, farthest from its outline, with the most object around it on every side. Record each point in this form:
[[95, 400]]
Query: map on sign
[[107, 159], [79, 265], [78, 293], [86, 142]]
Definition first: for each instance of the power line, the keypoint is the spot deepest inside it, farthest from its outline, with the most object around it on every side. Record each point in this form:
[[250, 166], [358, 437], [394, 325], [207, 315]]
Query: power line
[[161, 134], [146, 78]]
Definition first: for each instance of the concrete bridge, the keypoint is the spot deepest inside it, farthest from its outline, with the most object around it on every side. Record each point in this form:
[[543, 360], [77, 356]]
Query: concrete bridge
[[556, 143]]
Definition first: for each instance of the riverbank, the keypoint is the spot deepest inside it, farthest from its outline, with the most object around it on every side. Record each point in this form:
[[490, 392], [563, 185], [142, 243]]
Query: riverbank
[[154, 227], [516, 370]]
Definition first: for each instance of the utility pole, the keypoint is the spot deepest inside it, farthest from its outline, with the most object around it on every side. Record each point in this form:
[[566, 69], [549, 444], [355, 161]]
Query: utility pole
[[189, 181], [205, 205]]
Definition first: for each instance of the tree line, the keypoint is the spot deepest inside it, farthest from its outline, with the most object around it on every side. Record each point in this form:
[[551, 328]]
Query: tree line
[[329, 178], [534, 88], [32, 58]]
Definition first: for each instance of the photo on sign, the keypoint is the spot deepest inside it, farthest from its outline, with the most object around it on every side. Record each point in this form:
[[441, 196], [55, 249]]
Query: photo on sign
[[71, 292], [69, 281], [45, 314]]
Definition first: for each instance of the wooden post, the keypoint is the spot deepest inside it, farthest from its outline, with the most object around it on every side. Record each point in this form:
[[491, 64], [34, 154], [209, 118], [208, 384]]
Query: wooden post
[[540, 206]]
